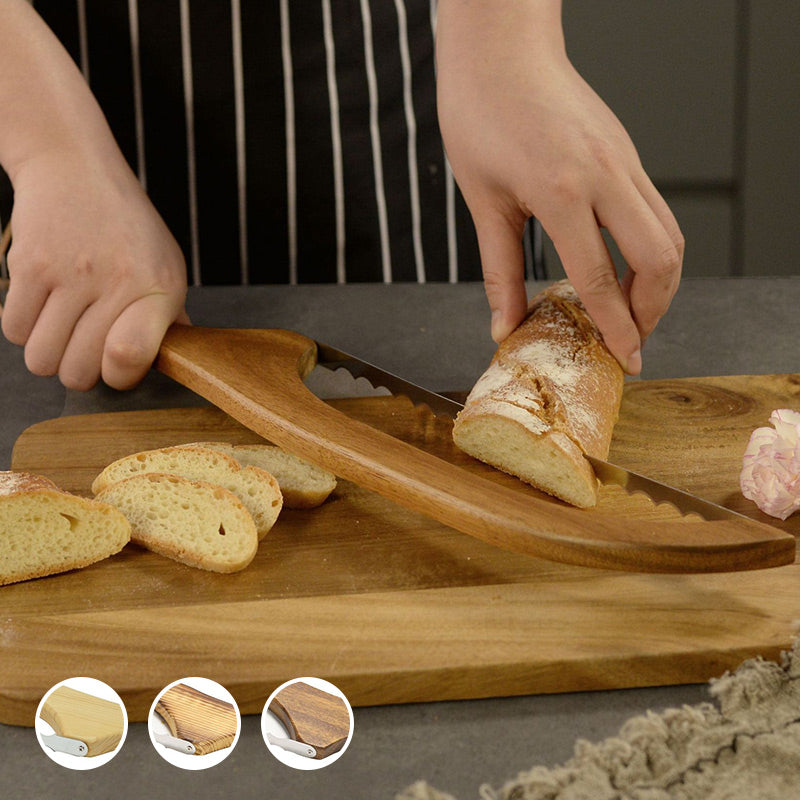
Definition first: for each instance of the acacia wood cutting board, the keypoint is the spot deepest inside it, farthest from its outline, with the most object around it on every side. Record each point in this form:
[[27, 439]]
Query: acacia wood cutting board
[[389, 605], [313, 716]]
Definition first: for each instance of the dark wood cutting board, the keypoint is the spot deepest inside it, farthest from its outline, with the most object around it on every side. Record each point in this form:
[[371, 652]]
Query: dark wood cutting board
[[389, 605], [313, 716]]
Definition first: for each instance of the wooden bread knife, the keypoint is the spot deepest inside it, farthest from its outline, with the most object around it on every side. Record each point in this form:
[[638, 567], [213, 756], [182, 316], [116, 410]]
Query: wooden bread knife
[[256, 376]]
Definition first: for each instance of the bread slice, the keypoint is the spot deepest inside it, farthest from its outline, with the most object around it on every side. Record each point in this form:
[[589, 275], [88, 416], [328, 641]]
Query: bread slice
[[44, 530], [257, 489], [551, 393], [303, 484], [194, 522]]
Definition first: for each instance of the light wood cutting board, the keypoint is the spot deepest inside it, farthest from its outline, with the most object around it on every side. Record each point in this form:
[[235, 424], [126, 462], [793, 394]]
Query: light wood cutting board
[[389, 605], [98, 723]]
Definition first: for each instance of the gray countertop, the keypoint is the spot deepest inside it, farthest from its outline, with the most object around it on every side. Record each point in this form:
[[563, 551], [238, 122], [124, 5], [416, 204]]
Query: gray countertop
[[435, 335]]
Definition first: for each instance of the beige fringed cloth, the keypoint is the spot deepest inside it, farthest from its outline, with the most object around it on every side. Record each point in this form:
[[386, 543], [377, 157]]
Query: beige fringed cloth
[[746, 746]]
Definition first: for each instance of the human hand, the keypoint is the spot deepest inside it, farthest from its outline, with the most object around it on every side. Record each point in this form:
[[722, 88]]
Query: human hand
[[96, 277], [526, 136]]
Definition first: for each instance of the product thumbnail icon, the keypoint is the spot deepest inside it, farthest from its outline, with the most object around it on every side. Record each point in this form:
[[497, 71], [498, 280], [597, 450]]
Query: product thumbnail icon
[[81, 723], [194, 723], [307, 723]]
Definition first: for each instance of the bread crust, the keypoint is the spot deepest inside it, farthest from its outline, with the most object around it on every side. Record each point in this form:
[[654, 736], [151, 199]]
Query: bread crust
[[22, 482], [557, 385], [17, 488]]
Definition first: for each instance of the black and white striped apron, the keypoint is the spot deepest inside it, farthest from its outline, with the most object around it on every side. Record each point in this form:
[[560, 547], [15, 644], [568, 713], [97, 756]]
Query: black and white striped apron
[[281, 142]]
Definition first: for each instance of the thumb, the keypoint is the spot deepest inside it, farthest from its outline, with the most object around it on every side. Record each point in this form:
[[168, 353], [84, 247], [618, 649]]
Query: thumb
[[133, 340], [503, 264]]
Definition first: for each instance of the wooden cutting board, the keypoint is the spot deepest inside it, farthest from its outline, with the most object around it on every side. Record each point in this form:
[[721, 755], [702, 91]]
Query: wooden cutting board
[[312, 716], [207, 722], [389, 605], [98, 723]]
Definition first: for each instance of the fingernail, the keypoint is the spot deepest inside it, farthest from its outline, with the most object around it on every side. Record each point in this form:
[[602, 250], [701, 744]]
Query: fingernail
[[498, 327], [633, 365]]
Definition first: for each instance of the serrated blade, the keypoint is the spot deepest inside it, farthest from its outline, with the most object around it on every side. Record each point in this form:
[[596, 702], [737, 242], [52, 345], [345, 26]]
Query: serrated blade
[[685, 502], [333, 359], [606, 472]]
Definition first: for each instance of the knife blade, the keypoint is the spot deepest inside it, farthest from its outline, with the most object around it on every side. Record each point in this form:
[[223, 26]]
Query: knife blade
[[64, 744], [606, 472], [292, 745], [256, 376], [333, 359]]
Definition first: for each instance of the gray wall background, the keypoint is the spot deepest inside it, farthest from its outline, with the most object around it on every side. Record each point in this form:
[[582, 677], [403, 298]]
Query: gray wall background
[[710, 92]]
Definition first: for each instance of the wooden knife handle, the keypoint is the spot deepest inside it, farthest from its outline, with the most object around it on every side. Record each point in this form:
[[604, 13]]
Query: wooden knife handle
[[256, 376]]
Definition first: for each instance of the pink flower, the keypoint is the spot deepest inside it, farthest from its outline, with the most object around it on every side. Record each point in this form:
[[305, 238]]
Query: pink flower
[[771, 468]]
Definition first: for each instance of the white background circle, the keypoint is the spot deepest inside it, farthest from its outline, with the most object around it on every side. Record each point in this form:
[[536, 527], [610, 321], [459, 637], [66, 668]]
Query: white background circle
[[271, 724], [156, 724], [95, 688]]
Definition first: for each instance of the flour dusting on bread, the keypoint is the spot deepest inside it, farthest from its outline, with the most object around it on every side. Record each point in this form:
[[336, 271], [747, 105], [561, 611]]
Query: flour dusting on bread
[[551, 393], [13, 482]]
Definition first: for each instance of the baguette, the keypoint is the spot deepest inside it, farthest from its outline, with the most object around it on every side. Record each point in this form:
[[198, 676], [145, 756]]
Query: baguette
[[551, 393], [44, 530], [302, 484], [193, 522], [257, 489]]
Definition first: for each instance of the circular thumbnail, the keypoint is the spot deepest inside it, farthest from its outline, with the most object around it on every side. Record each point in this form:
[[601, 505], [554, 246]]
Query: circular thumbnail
[[81, 723], [194, 723], [307, 723]]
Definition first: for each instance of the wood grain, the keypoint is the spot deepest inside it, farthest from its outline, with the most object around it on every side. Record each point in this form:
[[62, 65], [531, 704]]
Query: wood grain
[[96, 722], [256, 376], [313, 716], [389, 605], [207, 722]]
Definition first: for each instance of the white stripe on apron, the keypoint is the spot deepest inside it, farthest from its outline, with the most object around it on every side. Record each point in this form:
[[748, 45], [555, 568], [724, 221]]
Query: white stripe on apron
[[84, 39], [450, 194], [291, 175], [336, 140], [411, 125], [241, 158], [375, 136], [188, 99], [133, 22]]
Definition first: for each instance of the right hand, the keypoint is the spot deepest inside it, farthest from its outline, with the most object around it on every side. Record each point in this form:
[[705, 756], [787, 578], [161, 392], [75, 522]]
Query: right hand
[[96, 277], [527, 136]]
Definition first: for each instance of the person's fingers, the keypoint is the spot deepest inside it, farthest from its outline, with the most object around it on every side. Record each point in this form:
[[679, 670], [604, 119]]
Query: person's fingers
[[625, 284], [80, 364], [50, 335], [667, 218], [23, 304], [650, 251], [134, 338], [588, 265], [503, 264], [660, 208]]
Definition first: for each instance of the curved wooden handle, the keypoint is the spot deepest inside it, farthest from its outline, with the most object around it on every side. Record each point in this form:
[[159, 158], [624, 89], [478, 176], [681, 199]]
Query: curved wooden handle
[[256, 376]]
